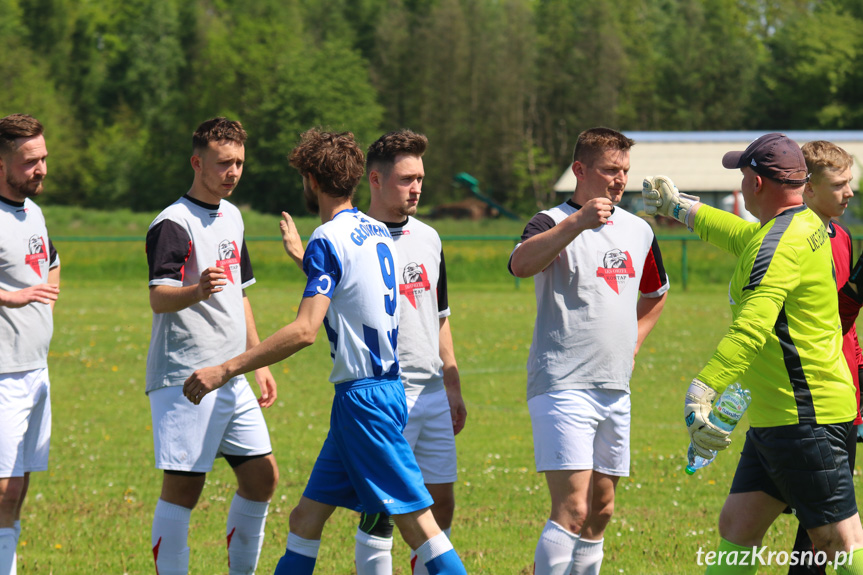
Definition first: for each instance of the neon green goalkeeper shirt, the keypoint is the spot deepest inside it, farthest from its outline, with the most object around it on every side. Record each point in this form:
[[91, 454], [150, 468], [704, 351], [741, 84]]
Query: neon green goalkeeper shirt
[[785, 340]]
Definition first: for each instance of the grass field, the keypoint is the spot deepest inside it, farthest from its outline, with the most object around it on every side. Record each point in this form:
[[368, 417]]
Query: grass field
[[91, 512]]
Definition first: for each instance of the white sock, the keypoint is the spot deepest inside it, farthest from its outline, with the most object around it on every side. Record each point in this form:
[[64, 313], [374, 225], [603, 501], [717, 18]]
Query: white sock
[[245, 534], [170, 537], [419, 568], [554, 550], [373, 554], [434, 547], [8, 543], [587, 557], [17, 527], [304, 547]]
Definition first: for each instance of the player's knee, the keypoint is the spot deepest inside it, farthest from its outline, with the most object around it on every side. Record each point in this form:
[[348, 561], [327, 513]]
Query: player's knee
[[305, 524], [376, 525], [443, 509], [257, 476], [602, 514], [571, 515], [11, 492]]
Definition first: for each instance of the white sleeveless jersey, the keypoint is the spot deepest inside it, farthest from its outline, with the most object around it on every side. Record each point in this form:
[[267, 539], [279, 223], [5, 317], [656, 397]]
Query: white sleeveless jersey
[[26, 255], [351, 260], [423, 301], [586, 321], [185, 239]]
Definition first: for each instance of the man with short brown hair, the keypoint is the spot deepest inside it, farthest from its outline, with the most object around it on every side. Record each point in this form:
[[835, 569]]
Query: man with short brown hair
[[199, 271], [590, 260], [351, 289], [29, 286], [436, 409]]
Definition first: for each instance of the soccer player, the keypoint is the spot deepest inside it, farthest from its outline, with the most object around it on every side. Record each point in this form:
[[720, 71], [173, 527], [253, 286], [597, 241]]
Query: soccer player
[[436, 409], [199, 271], [827, 194], [589, 259], [785, 346], [352, 289], [29, 286]]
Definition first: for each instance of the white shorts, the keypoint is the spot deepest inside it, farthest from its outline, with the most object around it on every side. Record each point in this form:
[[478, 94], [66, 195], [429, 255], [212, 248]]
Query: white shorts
[[189, 437], [429, 433], [581, 429], [25, 422]]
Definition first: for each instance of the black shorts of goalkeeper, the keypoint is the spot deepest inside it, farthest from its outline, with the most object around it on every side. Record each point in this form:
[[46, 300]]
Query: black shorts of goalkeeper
[[804, 465]]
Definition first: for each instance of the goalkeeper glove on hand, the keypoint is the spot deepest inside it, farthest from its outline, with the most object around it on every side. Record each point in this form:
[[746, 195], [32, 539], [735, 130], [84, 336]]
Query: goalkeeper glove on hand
[[661, 197], [705, 436]]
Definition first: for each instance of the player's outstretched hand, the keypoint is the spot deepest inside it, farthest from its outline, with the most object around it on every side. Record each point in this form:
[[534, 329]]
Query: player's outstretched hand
[[267, 383], [661, 197], [291, 239], [42, 293], [212, 281], [203, 381], [705, 436], [594, 213]]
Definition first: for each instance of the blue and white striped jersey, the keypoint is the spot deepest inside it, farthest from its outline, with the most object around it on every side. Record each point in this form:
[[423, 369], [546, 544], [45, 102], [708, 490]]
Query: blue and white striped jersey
[[351, 260]]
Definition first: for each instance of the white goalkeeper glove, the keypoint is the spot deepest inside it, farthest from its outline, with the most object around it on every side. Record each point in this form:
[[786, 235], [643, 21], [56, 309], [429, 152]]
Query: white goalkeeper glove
[[705, 436], [661, 197]]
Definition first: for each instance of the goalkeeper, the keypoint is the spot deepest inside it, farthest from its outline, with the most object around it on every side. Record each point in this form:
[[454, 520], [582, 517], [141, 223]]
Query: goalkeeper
[[785, 345]]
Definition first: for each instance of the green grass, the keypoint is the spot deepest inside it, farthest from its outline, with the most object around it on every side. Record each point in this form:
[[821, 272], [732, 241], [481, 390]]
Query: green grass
[[91, 512]]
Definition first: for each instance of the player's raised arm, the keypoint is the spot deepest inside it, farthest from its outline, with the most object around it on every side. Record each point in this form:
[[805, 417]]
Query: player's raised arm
[[291, 240], [165, 299], [538, 252]]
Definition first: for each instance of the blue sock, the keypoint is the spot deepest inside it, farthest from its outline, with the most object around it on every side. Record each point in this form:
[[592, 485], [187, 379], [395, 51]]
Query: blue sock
[[293, 563], [446, 564]]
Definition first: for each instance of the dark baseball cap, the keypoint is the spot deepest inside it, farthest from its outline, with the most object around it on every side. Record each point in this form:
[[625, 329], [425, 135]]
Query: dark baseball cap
[[774, 156]]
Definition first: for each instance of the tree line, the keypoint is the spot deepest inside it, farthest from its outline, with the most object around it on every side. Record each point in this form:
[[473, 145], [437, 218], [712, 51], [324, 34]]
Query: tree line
[[501, 87]]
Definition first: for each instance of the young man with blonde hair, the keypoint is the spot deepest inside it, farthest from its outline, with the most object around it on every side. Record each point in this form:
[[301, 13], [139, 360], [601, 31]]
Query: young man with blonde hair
[[827, 193]]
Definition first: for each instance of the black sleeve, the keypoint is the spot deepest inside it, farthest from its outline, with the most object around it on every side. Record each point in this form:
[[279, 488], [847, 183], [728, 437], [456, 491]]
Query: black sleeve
[[537, 224], [246, 272], [52, 253], [168, 247], [442, 296]]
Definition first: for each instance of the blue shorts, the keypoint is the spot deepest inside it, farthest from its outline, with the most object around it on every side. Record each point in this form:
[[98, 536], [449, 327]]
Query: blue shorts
[[366, 464]]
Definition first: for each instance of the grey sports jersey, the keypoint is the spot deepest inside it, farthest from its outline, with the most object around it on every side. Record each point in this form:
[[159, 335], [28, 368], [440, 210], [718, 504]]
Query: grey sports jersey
[[186, 238], [423, 295], [26, 255], [586, 323]]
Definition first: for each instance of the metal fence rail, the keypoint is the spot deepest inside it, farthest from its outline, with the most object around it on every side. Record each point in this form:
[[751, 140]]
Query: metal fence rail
[[684, 241]]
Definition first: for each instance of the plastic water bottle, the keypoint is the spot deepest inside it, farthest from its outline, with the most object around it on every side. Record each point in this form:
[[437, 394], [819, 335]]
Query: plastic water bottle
[[726, 412]]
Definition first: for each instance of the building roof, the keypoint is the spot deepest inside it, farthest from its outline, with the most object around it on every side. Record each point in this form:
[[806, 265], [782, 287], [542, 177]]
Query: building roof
[[694, 159]]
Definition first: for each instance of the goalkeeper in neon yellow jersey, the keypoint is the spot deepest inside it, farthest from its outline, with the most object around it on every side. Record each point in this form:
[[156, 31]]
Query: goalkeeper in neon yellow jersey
[[785, 346]]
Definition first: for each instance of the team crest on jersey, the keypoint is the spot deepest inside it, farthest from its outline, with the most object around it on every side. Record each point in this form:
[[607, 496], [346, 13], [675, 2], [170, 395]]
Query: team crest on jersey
[[616, 268], [416, 282], [229, 259], [36, 254]]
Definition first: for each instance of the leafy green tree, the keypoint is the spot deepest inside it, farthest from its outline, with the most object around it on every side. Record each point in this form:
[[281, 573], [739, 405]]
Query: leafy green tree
[[813, 77], [262, 66]]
